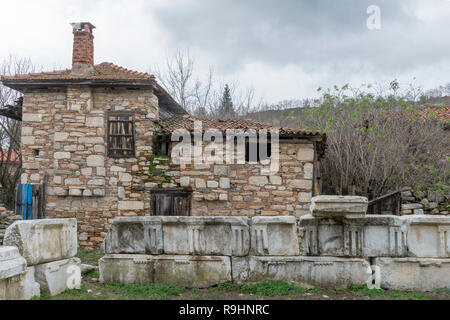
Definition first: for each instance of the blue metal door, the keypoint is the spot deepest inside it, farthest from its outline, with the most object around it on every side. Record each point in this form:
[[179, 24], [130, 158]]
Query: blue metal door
[[28, 201]]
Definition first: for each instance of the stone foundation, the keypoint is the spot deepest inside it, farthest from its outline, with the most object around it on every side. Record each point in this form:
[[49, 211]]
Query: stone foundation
[[338, 250], [189, 271], [328, 272], [414, 273]]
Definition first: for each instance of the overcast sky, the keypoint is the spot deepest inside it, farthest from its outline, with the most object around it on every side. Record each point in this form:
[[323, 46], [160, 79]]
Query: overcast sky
[[284, 49]]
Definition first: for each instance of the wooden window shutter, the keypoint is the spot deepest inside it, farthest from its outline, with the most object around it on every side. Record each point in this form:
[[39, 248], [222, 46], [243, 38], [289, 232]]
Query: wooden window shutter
[[121, 135]]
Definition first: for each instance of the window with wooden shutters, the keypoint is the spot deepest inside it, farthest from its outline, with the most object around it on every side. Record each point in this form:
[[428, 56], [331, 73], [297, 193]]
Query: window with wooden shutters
[[120, 135]]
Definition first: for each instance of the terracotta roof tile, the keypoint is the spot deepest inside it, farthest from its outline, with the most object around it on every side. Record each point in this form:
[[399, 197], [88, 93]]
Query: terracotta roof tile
[[103, 71], [187, 122], [435, 113]]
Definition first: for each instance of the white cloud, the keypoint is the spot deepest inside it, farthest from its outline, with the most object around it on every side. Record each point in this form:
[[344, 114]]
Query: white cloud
[[282, 53]]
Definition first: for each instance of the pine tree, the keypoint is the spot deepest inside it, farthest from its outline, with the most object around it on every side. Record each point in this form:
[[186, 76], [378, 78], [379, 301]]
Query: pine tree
[[226, 108]]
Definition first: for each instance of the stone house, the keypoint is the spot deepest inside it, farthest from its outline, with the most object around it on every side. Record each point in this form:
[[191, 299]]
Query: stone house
[[96, 137]]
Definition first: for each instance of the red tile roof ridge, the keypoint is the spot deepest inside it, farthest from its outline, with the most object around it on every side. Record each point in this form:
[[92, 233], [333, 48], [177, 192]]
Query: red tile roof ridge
[[120, 68]]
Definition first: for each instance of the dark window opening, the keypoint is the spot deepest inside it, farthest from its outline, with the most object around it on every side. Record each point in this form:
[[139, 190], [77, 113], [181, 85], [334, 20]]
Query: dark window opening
[[161, 146], [121, 135], [261, 154]]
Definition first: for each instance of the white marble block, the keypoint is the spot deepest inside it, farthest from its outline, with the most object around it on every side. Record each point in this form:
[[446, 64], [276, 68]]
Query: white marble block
[[413, 273], [57, 276], [367, 236], [224, 236], [274, 236], [338, 206], [428, 236], [135, 235], [21, 286], [11, 262], [43, 240], [182, 270], [328, 272]]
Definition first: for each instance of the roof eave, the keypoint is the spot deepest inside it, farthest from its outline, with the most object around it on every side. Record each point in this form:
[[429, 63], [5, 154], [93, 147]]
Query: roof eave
[[20, 84]]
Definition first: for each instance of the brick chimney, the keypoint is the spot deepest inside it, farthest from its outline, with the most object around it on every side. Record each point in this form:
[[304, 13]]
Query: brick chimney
[[83, 48]]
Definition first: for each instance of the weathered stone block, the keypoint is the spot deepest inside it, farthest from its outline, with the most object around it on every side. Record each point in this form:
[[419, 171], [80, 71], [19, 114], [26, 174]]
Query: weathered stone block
[[221, 170], [413, 273], [20, 287], [11, 262], [206, 235], [332, 206], [94, 122], [258, 180], [75, 192], [129, 205], [305, 154], [61, 136], [274, 236], [189, 271], [57, 276], [134, 235], [412, 206], [28, 140], [61, 155], [304, 197], [32, 117], [184, 181], [328, 272], [212, 184], [428, 236], [125, 177], [224, 183], [200, 183], [275, 180], [369, 236], [299, 183], [95, 161], [43, 240]]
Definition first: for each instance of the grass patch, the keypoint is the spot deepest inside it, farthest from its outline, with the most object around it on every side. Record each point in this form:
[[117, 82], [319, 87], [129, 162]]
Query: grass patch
[[92, 274], [363, 290], [272, 288], [89, 257], [227, 286], [147, 291]]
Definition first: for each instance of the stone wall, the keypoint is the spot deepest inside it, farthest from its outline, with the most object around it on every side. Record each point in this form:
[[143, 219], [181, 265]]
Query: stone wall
[[420, 202], [343, 247], [241, 189], [64, 145]]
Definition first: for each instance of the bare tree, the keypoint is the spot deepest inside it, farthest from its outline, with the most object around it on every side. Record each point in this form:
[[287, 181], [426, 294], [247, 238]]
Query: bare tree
[[10, 131], [378, 144], [176, 77], [201, 96]]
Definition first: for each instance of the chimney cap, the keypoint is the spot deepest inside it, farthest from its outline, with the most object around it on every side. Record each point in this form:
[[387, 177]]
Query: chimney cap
[[80, 26]]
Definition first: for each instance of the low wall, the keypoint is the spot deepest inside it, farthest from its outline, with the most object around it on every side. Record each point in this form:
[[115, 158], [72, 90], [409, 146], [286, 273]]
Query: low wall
[[341, 246]]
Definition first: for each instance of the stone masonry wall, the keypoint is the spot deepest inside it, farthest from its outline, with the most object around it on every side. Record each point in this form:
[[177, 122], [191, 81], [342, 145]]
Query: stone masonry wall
[[241, 190], [64, 143]]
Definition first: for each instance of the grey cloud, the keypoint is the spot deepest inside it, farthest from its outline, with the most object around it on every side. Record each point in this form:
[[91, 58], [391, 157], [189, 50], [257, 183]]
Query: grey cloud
[[311, 34]]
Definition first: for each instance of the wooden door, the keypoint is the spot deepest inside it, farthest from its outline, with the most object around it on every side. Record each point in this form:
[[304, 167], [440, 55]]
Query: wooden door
[[170, 202]]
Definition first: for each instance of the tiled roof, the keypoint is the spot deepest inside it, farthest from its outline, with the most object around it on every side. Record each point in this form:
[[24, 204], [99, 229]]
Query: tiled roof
[[187, 122], [104, 71], [13, 157], [439, 113]]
